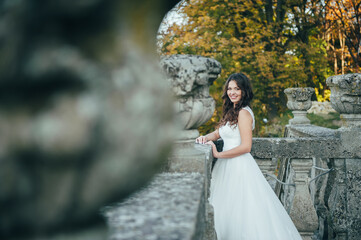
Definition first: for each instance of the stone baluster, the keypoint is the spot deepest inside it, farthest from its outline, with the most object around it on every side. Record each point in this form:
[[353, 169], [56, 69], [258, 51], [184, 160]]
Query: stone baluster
[[337, 201], [299, 101], [345, 183], [302, 211]]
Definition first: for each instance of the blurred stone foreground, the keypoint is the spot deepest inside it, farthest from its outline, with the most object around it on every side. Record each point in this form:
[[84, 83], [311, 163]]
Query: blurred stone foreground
[[85, 114]]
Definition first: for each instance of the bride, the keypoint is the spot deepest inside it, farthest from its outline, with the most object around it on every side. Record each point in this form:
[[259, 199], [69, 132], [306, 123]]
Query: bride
[[245, 206]]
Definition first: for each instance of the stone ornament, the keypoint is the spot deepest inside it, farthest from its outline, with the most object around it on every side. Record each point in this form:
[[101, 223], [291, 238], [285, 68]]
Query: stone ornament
[[299, 101], [346, 97], [85, 114], [345, 93], [189, 77]]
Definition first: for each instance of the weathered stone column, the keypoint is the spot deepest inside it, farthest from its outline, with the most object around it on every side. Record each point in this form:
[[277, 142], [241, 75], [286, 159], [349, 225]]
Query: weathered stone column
[[299, 101], [189, 77], [302, 211], [345, 184]]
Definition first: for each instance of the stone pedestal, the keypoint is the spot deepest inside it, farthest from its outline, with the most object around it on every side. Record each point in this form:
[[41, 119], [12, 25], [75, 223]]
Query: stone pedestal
[[299, 101], [345, 192], [303, 212], [189, 77]]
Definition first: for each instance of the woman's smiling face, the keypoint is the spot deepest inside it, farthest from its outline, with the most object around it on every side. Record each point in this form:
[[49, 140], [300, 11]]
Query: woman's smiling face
[[234, 92]]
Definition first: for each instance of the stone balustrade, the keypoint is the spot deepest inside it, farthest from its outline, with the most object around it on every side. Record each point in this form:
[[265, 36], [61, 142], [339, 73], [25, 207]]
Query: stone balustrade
[[334, 176], [320, 170]]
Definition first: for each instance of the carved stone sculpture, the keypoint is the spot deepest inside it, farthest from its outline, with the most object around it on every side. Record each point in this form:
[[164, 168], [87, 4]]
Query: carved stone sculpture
[[299, 101], [85, 112], [189, 78], [346, 97]]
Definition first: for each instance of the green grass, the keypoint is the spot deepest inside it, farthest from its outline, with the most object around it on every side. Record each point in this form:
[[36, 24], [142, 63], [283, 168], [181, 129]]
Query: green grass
[[276, 127], [331, 120]]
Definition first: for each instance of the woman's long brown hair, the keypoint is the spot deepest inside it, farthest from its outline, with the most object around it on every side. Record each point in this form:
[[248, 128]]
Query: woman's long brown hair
[[230, 112]]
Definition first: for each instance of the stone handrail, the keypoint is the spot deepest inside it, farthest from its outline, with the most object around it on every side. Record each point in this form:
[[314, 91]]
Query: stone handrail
[[170, 207]]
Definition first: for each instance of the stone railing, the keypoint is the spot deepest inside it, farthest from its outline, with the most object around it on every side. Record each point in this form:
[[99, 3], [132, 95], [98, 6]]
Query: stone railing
[[333, 173], [318, 182], [171, 207], [319, 169]]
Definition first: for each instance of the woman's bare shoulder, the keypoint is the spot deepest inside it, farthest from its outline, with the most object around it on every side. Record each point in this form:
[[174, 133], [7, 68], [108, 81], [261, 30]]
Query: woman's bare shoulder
[[243, 113]]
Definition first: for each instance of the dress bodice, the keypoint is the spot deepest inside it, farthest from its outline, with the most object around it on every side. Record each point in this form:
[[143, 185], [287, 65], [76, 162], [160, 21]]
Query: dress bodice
[[245, 206], [230, 133]]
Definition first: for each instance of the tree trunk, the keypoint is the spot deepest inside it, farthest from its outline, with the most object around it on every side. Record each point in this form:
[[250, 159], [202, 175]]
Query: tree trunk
[[334, 56], [342, 45], [269, 11]]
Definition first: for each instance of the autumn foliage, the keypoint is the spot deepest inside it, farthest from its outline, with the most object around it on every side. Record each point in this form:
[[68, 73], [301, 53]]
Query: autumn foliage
[[278, 44]]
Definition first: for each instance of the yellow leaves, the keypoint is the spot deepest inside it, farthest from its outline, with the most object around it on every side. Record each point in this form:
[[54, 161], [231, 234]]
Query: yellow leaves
[[235, 33], [189, 36], [320, 98], [213, 8]]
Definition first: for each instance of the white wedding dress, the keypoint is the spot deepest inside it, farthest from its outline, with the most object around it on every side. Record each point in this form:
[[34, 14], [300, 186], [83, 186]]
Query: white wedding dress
[[245, 206]]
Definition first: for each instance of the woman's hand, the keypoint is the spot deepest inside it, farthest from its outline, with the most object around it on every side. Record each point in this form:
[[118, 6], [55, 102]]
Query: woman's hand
[[201, 139], [214, 149]]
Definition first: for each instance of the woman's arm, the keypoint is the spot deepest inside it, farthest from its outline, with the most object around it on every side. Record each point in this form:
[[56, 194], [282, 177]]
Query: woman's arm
[[245, 130], [213, 136]]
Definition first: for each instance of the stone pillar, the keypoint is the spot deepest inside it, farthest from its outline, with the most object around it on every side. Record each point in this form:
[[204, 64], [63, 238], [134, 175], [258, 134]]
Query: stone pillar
[[189, 77], [302, 211], [345, 190], [299, 101], [85, 116], [346, 97]]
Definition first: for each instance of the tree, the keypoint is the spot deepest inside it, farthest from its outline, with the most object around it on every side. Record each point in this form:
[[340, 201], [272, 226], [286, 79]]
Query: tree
[[344, 18], [276, 43]]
